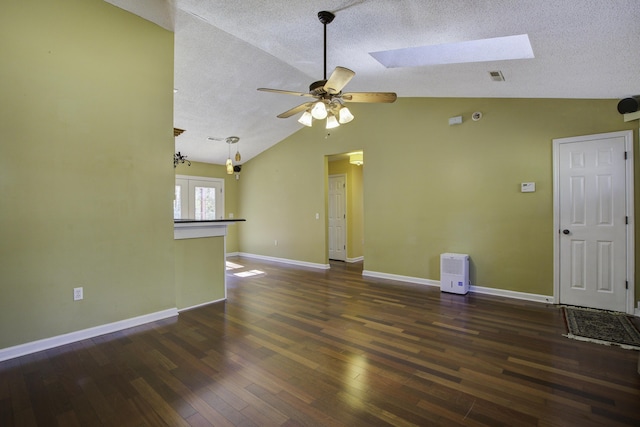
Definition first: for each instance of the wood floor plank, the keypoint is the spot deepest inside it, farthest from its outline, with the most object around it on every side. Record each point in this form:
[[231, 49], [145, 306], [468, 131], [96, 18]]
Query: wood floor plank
[[294, 346], [159, 405]]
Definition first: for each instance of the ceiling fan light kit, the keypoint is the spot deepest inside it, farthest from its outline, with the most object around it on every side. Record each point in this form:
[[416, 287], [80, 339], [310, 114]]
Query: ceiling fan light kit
[[306, 119], [319, 111], [332, 122], [345, 115], [329, 99]]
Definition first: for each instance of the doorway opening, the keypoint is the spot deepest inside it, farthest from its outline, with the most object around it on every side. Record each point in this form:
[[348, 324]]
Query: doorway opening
[[345, 207]]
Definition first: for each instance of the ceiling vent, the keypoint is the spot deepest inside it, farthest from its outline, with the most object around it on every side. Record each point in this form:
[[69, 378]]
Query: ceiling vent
[[496, 76]]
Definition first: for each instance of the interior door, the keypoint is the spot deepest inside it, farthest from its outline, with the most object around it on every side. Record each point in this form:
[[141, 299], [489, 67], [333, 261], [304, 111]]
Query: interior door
[[337, 217], [592, 215]]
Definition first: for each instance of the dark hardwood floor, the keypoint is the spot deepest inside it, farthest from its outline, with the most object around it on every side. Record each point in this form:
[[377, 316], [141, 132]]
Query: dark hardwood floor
[[300, 347]]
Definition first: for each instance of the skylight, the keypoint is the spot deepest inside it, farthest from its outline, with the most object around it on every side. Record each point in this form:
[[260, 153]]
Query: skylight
[[494, 49]]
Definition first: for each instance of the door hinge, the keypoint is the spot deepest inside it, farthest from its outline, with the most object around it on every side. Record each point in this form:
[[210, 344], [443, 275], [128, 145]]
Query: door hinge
[[626, 220], [625, 155], [626, 284]]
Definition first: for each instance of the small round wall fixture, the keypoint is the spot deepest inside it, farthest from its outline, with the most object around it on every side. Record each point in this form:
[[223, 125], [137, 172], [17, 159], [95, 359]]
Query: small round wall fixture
[[476, 116]]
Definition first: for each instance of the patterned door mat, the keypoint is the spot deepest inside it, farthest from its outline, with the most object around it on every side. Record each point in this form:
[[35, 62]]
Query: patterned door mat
[[602, 327]]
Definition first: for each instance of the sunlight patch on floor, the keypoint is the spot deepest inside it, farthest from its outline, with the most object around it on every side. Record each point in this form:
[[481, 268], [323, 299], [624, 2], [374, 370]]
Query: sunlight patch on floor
[[248, 273], [233, 266]]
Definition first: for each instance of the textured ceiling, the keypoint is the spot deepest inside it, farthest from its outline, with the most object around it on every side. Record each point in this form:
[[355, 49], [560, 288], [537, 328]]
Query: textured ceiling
[[225, 50]]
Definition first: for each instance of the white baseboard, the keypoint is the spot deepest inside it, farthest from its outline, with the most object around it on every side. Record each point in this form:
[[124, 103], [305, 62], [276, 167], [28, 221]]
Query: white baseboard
[[399, 278], [356, 259], [200, 305], [228, 254], [548, 299], [476, 289], [286, 261], [47, 343]]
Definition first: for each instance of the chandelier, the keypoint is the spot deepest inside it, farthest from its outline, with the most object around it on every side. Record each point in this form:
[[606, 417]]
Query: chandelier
[[179, 158]]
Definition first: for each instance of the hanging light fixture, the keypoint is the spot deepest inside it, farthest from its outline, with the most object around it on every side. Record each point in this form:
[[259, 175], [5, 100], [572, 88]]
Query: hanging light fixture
[[238, 156], [179, 158], [229, 140], [229, 163]]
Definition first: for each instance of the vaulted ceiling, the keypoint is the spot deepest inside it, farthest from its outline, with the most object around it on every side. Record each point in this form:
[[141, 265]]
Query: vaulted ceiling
[[225, 50]]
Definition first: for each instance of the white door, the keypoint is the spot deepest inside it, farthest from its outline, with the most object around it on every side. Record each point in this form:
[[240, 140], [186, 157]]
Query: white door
[[337, 218], [198, 198], [592, 215]]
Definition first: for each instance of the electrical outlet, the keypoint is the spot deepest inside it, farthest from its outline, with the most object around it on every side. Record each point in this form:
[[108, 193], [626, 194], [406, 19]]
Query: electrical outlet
[[78, 294], [275, 243]]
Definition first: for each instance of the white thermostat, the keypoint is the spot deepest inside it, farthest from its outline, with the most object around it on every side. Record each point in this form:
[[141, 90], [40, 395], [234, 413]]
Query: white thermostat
[[527, 187]]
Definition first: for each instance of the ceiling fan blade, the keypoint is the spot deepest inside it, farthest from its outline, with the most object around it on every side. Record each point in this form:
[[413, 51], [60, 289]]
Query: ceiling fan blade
[[285, 92], [338, 79], [295, 110], [370, 97]]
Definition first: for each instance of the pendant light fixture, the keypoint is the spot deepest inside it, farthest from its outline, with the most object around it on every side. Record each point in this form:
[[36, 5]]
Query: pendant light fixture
[[229, 163], [238, 156], [229, 140]]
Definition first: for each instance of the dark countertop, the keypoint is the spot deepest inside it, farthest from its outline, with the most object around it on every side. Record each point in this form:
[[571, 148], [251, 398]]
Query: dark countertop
[[206, 221]]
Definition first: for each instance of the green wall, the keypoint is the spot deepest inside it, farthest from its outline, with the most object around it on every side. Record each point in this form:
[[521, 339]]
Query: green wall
[[281, 191], [429, 187], [199, 266], [231, 189], [85, 173]]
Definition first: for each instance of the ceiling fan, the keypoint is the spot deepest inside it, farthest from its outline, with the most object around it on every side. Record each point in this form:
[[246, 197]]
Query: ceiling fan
[[327, 93]]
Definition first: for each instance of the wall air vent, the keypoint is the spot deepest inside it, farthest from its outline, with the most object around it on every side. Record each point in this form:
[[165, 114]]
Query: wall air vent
[[496, 76]]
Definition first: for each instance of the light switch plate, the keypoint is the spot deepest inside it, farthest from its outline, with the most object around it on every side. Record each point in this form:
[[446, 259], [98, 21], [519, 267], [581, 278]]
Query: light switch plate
[[528, 187]]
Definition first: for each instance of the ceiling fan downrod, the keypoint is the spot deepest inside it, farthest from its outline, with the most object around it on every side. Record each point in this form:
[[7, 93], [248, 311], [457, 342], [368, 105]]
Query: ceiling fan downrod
[[326, 18]]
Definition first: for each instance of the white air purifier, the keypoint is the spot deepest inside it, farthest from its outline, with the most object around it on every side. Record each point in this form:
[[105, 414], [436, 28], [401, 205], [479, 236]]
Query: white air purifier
[[454, 273]]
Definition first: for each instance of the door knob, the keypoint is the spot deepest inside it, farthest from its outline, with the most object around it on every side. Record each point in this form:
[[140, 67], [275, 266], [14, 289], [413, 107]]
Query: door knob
[[565, 231]]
